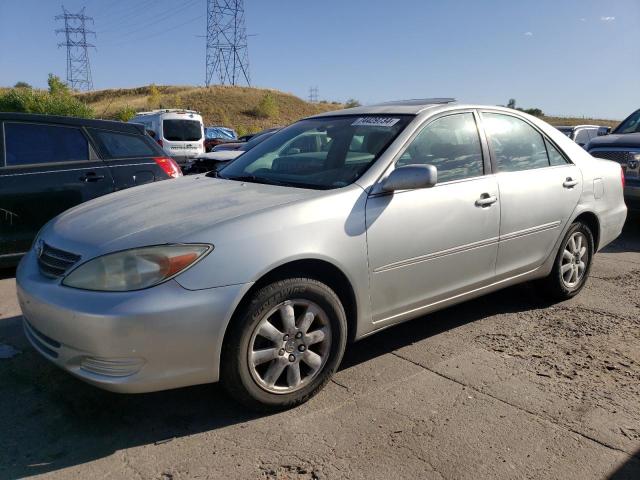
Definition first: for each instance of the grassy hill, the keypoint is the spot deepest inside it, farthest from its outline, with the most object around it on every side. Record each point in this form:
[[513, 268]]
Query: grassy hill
[[219, 105]]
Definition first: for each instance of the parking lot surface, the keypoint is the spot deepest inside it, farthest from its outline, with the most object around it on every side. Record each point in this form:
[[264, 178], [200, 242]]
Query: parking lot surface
[[504, 386]]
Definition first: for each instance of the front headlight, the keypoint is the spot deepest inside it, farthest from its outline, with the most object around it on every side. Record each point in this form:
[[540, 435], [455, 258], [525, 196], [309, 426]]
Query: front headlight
[[135, 269]]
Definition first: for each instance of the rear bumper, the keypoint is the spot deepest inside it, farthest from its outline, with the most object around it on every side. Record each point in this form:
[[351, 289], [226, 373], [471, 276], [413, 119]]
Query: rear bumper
[[155, 339]]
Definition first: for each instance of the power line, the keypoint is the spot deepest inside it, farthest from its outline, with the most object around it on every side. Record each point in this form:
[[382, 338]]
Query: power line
[[161, 32], [227, 55], [158, 17], [75, 32]]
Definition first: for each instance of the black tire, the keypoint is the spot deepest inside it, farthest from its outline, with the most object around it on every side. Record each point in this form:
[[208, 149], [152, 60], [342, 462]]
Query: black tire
[[236, 376], [554, 287]]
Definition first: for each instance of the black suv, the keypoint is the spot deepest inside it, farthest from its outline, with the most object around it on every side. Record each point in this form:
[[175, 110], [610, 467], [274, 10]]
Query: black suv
[[623, 146], [49, 164]]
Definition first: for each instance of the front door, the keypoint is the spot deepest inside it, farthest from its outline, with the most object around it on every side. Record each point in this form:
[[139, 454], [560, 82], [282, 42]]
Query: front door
[[47, 170], [427, 245], [539, 190]]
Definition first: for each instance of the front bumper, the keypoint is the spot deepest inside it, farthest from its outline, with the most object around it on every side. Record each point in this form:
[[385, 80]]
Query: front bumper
[[155, 339]]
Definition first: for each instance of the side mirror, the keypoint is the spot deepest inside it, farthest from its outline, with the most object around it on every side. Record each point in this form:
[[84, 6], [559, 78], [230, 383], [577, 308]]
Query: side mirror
[[411, 177]]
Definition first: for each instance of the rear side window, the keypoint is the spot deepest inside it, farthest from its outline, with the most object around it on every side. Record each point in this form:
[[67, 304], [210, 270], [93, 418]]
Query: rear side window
[[181, 130], [516, 144], [122, 145], [451, 144], [32, 143]]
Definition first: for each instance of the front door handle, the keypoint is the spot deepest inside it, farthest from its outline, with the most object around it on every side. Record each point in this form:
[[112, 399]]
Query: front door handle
[[92, 177], [486, 200], [569, 183]]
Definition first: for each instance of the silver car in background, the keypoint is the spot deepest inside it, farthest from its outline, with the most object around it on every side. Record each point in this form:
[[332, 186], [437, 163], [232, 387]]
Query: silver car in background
[[259, 275]]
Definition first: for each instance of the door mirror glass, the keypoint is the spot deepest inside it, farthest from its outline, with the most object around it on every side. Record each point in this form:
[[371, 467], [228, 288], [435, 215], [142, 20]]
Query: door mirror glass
[[410, 177]]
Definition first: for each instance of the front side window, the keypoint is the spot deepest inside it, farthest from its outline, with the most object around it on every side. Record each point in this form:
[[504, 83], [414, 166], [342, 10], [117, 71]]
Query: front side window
[[324, 154], [451, 144], [516, 144], [32, 143], [122, 145], [182, 130]]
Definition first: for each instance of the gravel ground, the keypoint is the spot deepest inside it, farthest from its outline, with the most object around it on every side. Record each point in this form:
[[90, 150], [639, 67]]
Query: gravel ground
[[500, 387]]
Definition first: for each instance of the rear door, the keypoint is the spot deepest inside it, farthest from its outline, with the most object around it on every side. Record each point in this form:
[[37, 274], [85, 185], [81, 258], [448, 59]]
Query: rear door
[[46, 169], [130, 157], [182, 138], [539, 189]]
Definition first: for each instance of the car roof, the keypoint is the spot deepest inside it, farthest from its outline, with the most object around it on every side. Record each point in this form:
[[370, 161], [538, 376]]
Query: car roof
[[410, 107], [74, 121]]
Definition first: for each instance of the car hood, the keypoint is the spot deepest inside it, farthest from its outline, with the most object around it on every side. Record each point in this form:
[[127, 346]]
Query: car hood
[[162, 212], [631, 140]]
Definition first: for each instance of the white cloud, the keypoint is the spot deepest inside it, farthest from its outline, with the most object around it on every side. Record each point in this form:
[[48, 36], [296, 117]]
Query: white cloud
[[607, 19], [528, 34]]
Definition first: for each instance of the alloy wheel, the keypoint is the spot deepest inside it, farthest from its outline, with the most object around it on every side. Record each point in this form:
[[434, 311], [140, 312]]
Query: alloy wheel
[[575, 258], [289, 346]]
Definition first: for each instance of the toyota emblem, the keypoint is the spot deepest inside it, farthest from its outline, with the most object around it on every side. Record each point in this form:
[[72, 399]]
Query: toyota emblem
[[632, 164]]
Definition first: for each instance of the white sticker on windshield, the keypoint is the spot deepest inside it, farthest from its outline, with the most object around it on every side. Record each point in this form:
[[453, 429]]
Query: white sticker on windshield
[[375, 122]]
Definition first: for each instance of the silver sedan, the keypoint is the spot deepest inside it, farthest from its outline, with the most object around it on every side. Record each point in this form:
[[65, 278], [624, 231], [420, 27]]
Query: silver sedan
[[259, 275]]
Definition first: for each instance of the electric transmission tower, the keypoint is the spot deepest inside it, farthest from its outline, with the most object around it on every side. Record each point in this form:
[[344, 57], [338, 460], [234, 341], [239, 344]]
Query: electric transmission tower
[[227, 53], [313, 94], [75, 39]]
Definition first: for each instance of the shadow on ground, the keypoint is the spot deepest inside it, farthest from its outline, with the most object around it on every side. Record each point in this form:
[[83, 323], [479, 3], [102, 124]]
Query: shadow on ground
[[50, 421]]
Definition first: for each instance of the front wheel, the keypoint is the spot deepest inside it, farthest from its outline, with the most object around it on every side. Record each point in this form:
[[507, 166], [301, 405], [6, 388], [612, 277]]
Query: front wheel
[[572, 264], [284, 345]]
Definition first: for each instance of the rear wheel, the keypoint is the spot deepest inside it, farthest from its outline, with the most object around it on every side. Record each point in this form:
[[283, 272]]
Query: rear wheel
[[572, 264], [284, 345]]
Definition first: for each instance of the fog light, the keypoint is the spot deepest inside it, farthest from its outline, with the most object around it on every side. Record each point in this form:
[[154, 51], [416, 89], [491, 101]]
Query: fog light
[[116, 367]]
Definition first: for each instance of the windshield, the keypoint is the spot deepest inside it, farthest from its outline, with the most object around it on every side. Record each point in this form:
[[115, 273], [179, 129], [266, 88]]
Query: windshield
[[182, 130], [319, 153], [566, 130], [630, 125]]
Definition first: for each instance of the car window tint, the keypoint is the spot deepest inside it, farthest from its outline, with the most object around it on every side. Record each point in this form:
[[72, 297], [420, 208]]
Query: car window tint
[[118, 145], [32, 143], [582, 137], [516, 144], [182, 130], [451, 144], [555, 157]]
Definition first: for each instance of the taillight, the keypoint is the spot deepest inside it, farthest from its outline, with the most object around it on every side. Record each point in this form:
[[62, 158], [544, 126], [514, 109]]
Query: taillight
[[159, 141], [622, 176], [169, 166]]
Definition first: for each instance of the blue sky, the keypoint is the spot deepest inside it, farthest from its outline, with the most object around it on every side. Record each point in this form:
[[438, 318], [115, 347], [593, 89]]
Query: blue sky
[[567, 57]]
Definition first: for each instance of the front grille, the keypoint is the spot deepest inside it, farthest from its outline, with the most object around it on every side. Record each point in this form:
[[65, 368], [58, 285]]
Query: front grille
[[54, 262], [619, 156]]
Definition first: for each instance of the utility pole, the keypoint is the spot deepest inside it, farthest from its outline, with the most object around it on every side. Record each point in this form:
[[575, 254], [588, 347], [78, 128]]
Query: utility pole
[[75, 39], [227, 56], [313, 94]]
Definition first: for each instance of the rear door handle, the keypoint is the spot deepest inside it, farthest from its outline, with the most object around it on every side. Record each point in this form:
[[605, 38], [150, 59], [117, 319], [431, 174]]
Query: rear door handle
[[486, 200], [569, 183], [92, 177]]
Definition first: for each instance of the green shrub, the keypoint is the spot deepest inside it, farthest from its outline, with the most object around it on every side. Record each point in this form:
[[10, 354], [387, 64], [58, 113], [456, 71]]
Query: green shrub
[[268, 107], [351, 103], [22, 85], [153, 100], [57, 86], [37, 101], [125, 113]]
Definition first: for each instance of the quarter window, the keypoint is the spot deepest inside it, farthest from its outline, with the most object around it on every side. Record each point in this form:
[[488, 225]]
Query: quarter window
[[555, 157], [516, 144], [32, 143], [121, 145], [451, 144]]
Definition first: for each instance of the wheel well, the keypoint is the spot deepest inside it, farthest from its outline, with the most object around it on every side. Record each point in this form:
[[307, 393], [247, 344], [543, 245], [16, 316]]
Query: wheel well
[[591, 220], [320, 270]]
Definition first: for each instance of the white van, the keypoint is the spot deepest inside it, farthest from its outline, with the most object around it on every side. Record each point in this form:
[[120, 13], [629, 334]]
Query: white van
[[179, 132]]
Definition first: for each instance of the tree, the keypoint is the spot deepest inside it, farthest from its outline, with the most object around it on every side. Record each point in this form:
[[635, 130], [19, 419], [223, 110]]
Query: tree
[[126, 113], [351, 103], [22, 85], [57, 86], [27, 100], [512, 103], [153, 100], [268, 107]]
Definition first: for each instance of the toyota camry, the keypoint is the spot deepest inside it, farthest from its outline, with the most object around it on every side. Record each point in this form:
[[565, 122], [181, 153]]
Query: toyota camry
[[259, 275]]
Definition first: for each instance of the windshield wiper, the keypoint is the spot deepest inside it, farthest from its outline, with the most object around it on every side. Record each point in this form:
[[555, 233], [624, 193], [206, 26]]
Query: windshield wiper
[[252, 179]]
